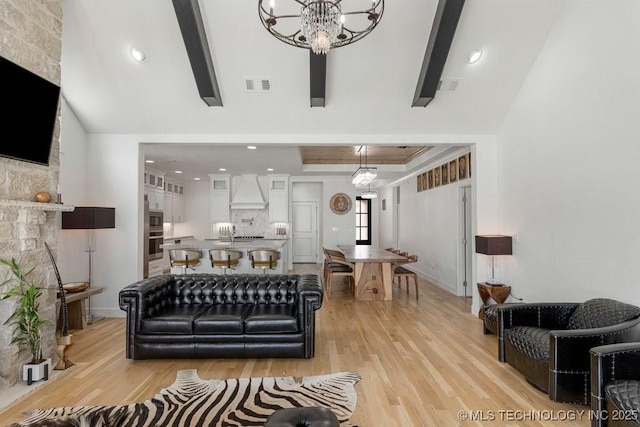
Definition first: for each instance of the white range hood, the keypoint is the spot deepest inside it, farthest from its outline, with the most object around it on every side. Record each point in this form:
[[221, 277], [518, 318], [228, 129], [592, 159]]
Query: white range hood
[[248, 195]]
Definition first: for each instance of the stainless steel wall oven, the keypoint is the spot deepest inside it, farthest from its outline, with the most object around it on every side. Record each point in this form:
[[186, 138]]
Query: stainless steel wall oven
[[156, 234]]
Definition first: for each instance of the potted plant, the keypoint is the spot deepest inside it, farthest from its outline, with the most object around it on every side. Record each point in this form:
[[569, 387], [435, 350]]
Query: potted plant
[[26, 321]]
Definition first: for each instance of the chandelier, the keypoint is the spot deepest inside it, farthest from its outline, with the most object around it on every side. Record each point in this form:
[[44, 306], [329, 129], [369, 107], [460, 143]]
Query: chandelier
[[369, 193], [318, 25], [363, 175]]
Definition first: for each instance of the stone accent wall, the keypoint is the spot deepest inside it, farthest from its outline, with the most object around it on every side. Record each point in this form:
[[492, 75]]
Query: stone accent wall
[[31, 36]]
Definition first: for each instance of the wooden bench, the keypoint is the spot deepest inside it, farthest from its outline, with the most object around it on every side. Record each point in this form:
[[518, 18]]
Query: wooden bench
[[76, 307]]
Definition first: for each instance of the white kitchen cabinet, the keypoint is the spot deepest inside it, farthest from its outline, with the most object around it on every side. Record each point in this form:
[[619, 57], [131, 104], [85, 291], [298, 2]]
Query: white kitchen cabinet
[[154, 189], [278, 198], [174, 201], [219, 194], [174, 208], [155, 196]]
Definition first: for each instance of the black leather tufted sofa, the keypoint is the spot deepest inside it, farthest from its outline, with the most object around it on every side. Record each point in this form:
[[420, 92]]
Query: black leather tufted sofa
[[615, 385], [549, 343], [221, 316]]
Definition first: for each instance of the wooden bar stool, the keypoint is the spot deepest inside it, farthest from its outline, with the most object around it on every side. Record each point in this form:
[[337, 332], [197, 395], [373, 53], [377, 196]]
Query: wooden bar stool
[[264, 259], [225, 259], [185, 258]]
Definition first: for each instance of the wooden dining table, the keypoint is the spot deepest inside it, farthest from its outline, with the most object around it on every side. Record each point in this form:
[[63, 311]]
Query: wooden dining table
[[373, 270]]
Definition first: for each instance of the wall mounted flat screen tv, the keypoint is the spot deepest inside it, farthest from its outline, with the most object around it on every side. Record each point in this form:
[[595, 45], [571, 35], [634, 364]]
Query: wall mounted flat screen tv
[[28, 114]]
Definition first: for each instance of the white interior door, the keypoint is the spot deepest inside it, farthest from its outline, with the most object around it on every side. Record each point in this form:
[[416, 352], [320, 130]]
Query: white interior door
[[305, 232]]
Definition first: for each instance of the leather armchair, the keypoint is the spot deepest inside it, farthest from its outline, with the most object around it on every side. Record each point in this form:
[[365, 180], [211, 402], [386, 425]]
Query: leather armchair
[[549, 343], [615, 385]]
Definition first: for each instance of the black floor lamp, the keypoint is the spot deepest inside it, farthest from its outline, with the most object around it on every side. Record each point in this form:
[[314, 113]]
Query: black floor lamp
[[89, 218]]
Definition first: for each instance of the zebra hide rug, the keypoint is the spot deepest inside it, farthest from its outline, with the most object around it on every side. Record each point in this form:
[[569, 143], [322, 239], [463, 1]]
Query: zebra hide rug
[[192, 401]]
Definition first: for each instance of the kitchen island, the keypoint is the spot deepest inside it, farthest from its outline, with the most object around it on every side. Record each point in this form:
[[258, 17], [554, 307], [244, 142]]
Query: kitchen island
[[244, 246]]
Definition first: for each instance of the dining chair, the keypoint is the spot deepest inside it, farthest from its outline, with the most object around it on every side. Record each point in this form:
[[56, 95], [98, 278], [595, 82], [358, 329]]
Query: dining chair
[[336, 265], [400, 272]]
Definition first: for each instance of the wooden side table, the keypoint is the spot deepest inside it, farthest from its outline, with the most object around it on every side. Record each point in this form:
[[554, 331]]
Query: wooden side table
[[496, 292]]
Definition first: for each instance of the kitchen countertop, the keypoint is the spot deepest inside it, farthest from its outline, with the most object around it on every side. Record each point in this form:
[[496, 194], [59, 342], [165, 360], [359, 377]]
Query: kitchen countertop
[[239, 244], [165, 238]]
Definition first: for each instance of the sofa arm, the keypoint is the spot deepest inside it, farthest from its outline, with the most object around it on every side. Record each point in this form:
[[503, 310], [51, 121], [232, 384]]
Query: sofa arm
[[569, 355], [134, 300], [540, 315], [569, 349], [309, 300], [310, 291], [608, 363]]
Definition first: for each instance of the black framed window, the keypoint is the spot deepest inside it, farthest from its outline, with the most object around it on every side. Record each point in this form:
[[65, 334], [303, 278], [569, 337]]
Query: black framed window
[[363, 221]]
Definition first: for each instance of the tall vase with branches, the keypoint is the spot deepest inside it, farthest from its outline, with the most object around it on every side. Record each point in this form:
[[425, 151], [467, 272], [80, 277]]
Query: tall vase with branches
[[65, 340]]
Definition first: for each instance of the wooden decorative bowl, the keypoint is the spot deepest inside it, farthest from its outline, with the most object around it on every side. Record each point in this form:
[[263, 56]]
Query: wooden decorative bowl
[[75, 287]]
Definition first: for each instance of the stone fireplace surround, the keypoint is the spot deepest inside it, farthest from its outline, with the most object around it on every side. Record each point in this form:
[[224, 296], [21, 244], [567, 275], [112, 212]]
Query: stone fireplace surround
[[31, 36]]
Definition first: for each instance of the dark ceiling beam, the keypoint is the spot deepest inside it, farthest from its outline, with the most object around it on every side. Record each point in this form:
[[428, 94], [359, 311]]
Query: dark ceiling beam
[[317, 78], [195, 40], [442, 32]]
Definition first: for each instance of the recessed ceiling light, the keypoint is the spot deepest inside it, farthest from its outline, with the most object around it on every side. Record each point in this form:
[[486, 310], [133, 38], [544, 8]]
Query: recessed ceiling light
[[251, 147], [149, 161], [196, 179], [474, 56], [178, 171], [137, 54], [269, 169], [222, 170]]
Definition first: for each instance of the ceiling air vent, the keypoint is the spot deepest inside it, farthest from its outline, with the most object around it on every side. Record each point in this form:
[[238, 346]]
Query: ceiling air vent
[[258, 85], [448, 85]]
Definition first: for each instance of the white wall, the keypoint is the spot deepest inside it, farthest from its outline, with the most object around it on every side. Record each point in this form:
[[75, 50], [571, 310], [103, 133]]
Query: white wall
[[386, 236], [196, 210], [428, 226], [568, 156], [335, 229], [428, 223], [116, 181], [72, 260]]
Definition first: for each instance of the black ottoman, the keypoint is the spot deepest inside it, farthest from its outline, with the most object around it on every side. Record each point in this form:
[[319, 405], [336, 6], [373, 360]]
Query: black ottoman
[[303, 417]]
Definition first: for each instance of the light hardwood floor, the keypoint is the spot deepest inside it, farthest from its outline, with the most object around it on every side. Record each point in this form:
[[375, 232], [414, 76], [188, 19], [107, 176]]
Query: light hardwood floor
[[422, 364]]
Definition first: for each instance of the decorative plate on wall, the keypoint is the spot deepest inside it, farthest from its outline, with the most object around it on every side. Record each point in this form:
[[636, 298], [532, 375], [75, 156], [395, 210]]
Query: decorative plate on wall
[[340, 203]]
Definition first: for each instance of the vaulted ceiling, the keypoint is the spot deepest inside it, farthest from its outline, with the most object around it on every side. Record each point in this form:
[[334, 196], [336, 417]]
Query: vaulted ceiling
[[370, 87]]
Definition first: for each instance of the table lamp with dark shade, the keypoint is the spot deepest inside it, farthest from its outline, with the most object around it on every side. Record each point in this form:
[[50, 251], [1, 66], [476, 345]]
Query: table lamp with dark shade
[[493, 245], [89, 218]]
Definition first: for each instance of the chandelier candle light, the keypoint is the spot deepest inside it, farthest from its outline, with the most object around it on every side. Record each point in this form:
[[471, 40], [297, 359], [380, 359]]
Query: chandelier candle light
[[363, 176], [318, 25]]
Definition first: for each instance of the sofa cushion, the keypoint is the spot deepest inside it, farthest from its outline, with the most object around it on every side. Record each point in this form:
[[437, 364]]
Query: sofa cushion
[[173, 320], [222, 319], [624, 394], [269, 318], [530, 341], [601, 312]]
